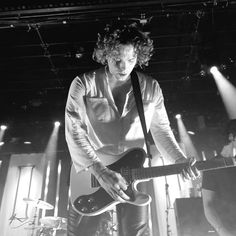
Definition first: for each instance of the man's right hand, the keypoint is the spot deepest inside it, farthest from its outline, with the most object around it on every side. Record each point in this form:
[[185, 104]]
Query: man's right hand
[[111, 181]]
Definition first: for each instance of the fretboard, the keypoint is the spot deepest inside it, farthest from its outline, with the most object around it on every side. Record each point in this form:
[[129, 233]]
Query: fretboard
[[158, 171], [152, 172]]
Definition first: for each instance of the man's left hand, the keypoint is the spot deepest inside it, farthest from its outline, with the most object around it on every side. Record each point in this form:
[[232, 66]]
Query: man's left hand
[[190, 171]]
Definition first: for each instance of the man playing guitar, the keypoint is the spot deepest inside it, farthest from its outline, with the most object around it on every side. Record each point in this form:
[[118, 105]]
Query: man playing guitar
[[102, 123]]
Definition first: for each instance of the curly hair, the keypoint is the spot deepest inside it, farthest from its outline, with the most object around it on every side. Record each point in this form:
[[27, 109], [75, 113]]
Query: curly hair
[[116, 34]]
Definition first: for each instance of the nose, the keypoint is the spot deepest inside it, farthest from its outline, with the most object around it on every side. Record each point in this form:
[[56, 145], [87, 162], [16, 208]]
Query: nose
[[122, 66]]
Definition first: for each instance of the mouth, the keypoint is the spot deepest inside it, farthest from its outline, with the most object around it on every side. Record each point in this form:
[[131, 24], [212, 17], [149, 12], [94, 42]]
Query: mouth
[[122, 74]]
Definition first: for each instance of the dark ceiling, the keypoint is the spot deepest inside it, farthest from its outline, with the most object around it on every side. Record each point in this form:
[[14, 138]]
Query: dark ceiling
[[44, 45]]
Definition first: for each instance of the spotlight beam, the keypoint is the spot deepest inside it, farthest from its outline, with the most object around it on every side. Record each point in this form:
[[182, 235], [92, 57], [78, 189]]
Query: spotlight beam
[[227, 92]]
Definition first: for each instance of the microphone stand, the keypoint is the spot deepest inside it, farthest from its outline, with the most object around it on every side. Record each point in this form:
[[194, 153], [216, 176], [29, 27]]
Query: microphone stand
[[168, 230]]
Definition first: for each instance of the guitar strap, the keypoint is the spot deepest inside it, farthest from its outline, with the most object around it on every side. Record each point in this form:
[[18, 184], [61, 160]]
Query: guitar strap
[[139, 104]]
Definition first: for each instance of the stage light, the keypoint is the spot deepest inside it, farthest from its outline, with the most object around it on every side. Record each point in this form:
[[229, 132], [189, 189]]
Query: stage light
[[178, 116], [202, 73], [214, 70], [27, 142], [78, 55], [57, 123], [3, 127], [231, 60], [1, 143], [223, 67], [191, 132]]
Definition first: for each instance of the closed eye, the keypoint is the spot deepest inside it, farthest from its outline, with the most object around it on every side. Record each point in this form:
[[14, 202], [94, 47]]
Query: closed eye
[[132, 60]]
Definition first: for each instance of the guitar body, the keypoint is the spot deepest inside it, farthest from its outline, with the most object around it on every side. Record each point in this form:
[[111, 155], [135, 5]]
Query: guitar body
[[89, 200]]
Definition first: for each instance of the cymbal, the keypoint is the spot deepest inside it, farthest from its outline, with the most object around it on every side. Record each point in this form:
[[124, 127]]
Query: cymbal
[[38, 203], [54, 222]]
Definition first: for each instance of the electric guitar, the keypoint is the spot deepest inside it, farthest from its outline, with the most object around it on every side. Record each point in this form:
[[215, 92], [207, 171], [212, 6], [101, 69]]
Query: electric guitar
[[89, 199]]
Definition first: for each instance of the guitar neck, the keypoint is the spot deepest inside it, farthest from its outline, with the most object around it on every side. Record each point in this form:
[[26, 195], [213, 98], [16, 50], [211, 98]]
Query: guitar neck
[[158, 171]]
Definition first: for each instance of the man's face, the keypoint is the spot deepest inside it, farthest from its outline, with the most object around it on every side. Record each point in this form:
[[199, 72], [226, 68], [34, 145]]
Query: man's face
[[122, 61], [232, 137]]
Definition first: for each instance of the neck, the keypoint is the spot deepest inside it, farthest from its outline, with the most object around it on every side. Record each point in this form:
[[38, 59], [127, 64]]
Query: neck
[[114, 82]]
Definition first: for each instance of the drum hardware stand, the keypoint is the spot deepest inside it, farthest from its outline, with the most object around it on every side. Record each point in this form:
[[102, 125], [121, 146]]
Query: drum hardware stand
[[33, 222], [14, 217], [38, 204], [107, 225]]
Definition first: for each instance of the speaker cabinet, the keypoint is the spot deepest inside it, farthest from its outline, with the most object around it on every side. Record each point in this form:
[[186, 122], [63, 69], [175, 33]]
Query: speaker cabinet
[[190, 218]]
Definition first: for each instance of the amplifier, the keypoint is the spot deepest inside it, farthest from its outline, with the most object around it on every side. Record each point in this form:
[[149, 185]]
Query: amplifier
[[190, 218]]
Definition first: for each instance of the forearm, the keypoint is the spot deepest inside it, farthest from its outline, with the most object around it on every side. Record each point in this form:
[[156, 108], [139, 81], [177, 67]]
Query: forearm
[[162, 134], [83, 154], [81, 150], [166, 143], [97, 169], [169, 148]]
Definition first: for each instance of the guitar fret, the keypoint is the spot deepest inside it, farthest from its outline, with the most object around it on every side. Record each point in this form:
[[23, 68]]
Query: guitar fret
[[141, 173], [144, 173], [125, 172], [151, 172]]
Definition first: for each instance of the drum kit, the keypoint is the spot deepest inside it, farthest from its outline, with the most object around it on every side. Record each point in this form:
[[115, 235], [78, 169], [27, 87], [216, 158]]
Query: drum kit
[[49, 225]]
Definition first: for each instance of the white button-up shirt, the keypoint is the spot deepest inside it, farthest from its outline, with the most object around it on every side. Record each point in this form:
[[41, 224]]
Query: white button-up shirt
[[95, 127], [229, 150]]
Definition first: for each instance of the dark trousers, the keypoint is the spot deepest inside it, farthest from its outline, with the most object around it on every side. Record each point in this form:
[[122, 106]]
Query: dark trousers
[[132, 221]]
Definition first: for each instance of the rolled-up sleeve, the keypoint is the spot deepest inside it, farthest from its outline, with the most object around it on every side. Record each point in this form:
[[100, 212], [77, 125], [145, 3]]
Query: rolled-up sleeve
[[79, 144], [161, 131]]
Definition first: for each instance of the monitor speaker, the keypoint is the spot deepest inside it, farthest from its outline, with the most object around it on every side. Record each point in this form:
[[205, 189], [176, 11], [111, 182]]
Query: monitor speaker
[[190, 218]]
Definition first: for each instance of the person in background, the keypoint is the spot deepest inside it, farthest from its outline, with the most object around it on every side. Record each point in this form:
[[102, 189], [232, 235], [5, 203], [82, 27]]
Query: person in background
[[219, 190], [229, 149], [101, 119]]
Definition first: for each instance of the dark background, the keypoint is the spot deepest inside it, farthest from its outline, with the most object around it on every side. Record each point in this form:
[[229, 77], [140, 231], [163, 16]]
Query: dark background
[[45, 44]]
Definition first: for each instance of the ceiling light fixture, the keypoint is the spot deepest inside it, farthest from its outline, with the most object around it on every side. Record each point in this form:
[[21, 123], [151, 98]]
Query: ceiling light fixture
[[57, 123], [3, 127]]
